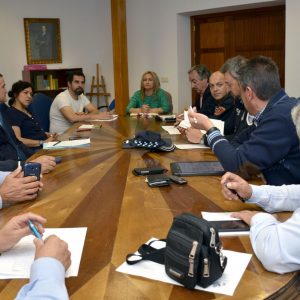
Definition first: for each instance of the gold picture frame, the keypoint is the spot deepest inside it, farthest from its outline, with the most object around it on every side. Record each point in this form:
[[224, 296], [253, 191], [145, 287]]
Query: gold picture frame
[[42, 38]]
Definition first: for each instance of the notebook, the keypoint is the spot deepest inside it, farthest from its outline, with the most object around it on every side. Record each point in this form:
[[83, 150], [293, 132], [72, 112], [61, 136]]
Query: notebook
[[197, 168]]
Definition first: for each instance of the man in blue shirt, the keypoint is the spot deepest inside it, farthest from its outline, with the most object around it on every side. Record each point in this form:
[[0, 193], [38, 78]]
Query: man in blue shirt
[[270, 146], [52, 259]]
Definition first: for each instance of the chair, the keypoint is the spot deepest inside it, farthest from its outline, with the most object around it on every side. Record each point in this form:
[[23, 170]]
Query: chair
[[169, 98], [40, 108]]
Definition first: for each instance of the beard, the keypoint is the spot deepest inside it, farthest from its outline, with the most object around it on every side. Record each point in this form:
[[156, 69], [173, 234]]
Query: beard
[[79, 91]]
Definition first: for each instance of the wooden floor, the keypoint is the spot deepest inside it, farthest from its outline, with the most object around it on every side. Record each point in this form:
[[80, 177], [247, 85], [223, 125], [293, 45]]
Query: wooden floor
[[95, 187]]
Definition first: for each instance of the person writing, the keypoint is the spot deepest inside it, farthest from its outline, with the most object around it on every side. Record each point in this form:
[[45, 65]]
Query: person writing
[[150, 98], [52, 258], [25, 127]]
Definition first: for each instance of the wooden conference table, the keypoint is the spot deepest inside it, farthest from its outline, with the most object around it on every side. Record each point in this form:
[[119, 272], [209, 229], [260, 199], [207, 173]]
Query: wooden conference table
[[95, 188]]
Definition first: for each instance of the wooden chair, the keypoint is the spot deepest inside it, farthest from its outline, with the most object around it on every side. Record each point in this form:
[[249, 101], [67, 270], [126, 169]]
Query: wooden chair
[[169, 98]]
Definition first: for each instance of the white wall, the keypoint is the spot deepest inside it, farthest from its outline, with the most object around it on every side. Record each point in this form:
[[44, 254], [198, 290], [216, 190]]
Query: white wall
[[85, 36], [158, 35]]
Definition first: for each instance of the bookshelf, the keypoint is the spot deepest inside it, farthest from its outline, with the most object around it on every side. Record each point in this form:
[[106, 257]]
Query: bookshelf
[[50, 81]]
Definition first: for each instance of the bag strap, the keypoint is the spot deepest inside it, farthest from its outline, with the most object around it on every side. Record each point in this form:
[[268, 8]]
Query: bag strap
[[147, 252]]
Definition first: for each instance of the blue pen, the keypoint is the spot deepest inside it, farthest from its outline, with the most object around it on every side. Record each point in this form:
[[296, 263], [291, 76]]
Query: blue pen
[[34, 230]]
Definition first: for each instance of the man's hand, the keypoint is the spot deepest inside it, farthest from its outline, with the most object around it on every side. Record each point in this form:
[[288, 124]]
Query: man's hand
[[179, 118], [199, 121], [193, 135], [236, 183], [245, 215], [55, 248], [48, 163], [17, 228], [17, 188]]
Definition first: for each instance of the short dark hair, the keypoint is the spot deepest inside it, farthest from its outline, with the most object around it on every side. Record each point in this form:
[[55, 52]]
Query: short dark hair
[[71, 74], [232, 66], [261, 74], [16, 89], [202, 71]]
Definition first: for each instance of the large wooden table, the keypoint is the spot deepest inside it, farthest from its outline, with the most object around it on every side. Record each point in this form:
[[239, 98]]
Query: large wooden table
[[95, 187]]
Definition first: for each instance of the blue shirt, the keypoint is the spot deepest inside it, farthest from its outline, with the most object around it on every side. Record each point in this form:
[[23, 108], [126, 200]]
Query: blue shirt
[[276, 244], [47, 281]]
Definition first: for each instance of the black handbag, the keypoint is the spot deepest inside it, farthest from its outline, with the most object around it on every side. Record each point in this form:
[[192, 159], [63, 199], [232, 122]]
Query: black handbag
[[193, 252]]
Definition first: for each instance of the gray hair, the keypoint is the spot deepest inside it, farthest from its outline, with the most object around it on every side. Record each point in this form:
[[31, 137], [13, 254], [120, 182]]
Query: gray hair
[[261, 74], [233, 65], [202, 71], [296, 118]]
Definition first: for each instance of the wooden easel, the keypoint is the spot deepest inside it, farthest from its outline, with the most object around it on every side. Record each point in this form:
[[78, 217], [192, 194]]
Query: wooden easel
[[99, 90]]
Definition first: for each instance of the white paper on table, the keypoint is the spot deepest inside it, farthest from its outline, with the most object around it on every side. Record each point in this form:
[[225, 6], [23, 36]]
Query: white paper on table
[[225, 285], [164, 117], [86, 126], [67, 144], [223, 216], [171, 129], [190, 146], [16, 262], [114, 117], [143, 115]]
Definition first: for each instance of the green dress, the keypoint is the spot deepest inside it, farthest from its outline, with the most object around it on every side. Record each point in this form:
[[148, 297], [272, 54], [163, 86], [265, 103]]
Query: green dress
[[160, 101]]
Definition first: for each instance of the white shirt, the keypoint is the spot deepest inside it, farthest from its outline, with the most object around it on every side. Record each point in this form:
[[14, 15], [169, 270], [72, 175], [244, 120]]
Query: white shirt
[[58, 123], [2, 177], [276, 244]]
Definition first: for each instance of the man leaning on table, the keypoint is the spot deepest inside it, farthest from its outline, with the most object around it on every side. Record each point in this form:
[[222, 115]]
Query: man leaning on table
[[52, 259], [276, 244], [270, 146], [68, 107]]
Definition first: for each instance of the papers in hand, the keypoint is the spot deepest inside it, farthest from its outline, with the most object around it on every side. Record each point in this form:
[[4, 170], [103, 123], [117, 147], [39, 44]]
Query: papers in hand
[[185, 123], [67, 144], [225, 285], [16, 262]]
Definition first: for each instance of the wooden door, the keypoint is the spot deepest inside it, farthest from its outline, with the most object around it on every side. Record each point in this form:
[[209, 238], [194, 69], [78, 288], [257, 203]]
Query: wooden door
[[217, 37]]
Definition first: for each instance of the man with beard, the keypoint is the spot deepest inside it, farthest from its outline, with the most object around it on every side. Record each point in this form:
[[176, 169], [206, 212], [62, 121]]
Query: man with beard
[[68, 107]]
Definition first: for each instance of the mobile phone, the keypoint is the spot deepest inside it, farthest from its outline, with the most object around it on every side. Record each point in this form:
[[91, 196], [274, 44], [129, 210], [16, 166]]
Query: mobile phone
[[158, 180], [178, 179], [148, 171], [32, 169], [227, 226]]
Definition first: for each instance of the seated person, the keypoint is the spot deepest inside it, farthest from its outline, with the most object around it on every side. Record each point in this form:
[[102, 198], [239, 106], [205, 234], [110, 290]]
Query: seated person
[[15, 188], [52, 259], [270, 146], [68, 107], [12, 150], [150, 98], [26, 128]]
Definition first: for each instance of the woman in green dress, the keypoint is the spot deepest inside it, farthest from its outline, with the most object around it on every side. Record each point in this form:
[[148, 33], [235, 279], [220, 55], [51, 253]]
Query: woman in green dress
[[150, 98]]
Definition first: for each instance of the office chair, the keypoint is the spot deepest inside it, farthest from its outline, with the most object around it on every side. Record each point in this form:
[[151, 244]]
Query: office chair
[[40, 108], [169, 98]]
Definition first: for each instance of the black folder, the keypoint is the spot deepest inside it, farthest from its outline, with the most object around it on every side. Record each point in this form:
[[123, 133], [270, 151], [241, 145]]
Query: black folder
[[197, 168]]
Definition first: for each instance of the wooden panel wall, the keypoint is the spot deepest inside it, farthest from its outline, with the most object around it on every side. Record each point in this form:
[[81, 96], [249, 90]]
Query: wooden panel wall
[[217, 37]]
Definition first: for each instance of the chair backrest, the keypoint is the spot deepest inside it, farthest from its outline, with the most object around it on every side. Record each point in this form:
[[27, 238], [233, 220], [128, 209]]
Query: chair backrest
[[169, 98], [40, 109]]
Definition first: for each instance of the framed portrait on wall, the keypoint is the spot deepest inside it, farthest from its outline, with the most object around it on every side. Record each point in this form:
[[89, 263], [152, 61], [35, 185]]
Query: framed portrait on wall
[[42, 38]]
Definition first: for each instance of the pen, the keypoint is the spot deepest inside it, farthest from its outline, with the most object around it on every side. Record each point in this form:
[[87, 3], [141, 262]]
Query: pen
[[34, 230], [235, 192], [56, 144]]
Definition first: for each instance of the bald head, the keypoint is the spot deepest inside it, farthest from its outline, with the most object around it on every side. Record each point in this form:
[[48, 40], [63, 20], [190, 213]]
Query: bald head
[[217, 85]]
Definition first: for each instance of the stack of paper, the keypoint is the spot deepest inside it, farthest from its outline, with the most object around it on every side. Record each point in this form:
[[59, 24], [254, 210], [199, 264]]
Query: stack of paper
[[16, 262], [67, 144]]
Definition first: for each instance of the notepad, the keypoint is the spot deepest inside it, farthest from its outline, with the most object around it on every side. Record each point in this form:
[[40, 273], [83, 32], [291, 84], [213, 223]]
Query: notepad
[[67, 144], [16, 262]]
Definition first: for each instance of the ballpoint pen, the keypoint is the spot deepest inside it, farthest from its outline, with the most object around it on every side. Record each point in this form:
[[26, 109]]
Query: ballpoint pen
[[56, 143], [34, 230]]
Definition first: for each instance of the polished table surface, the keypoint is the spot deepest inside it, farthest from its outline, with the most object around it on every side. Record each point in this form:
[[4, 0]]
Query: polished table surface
[[94, 187]]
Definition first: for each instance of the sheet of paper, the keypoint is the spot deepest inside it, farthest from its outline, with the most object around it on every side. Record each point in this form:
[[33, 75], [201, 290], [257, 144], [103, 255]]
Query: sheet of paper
[[164, 117], [223, 216], [143, 115], [171, 129], [68, 144], [16, 262], [86, 126], [114, 117], [225, 285], [190, 146]]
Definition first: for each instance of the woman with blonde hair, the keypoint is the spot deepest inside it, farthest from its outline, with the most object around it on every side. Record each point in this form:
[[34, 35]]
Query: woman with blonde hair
[[150, 98]]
